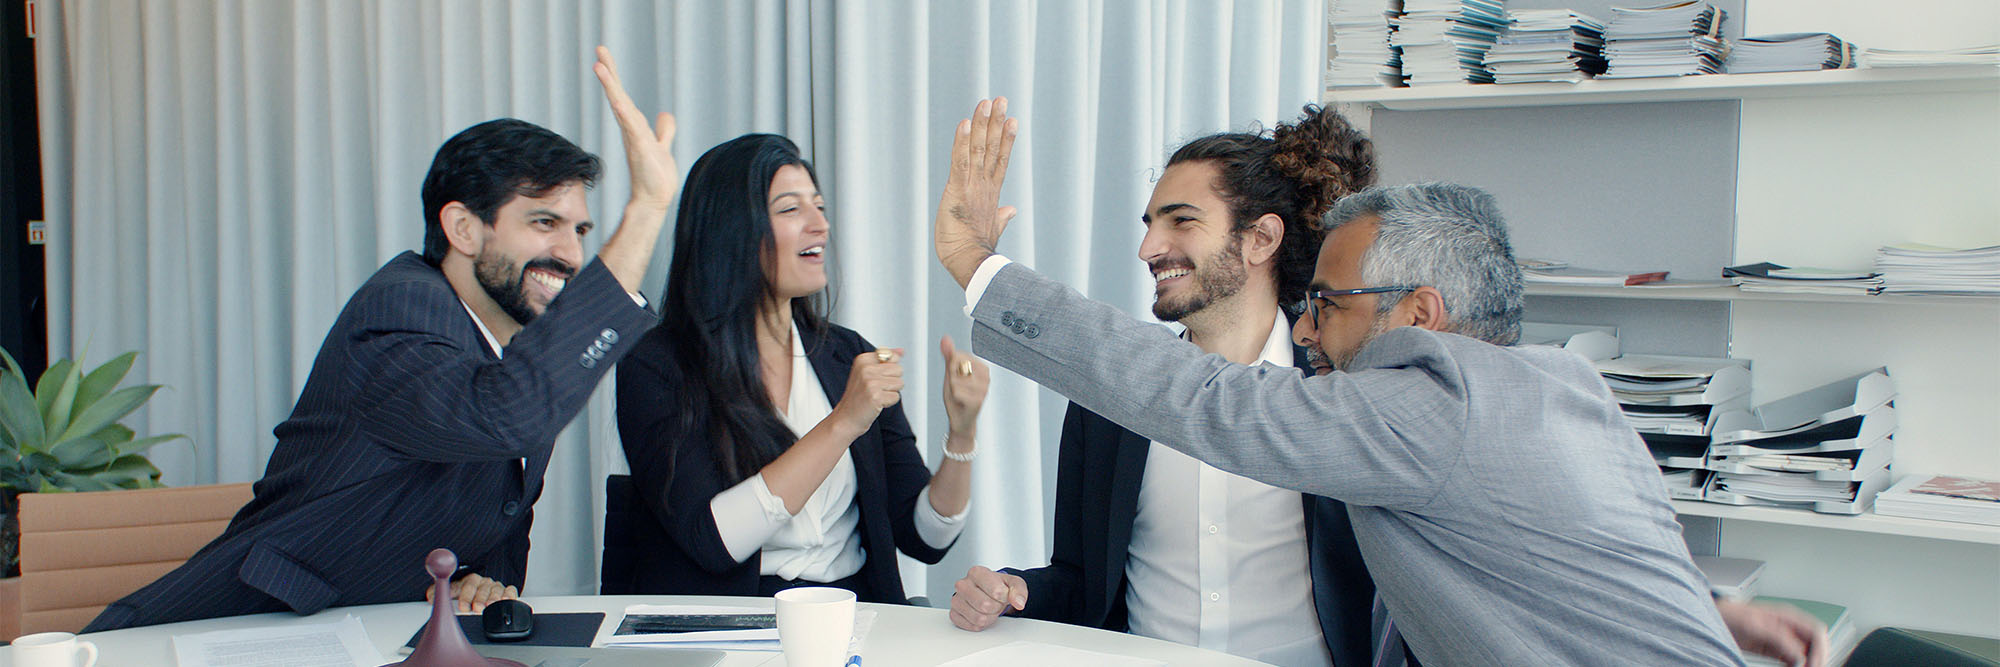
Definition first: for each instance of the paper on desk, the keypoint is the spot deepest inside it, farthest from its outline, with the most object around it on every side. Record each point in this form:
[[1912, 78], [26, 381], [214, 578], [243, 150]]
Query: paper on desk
[[1047, 655], [342, 643], [726, 640]]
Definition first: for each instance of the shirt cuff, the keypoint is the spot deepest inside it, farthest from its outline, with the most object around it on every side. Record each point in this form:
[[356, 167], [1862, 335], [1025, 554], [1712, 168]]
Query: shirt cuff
[[747, 515], [976, 287], [938, 530], [638, 299]]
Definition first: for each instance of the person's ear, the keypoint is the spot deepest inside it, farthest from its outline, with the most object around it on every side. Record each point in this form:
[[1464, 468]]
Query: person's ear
[[1262, 240], [1424, 309], [465, 231]]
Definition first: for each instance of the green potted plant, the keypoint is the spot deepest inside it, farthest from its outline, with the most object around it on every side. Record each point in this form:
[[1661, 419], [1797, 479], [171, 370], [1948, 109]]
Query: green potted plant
[[64, 436]]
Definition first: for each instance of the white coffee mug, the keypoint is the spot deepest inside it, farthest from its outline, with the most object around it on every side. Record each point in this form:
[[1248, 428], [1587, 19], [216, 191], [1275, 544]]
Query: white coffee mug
[[53, 649], [815, 625]]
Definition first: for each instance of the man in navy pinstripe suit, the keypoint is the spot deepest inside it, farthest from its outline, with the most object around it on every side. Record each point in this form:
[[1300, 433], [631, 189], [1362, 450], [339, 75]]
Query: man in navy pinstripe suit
[[431, 409]]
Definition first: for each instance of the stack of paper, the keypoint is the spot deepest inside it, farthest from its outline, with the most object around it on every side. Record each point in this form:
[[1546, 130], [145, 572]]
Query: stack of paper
[[1445, 41], [1361, 52], [1977, 55], [1548, 45], [712, 627], [1571, 275], [1943, 498], [1790, 52], [1768, 277], [1669, 40], [1765, 456], [1924, 269], [1673, 403]]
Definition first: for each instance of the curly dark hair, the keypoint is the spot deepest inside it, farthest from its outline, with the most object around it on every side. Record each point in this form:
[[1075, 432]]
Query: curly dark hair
[[1297, 171]]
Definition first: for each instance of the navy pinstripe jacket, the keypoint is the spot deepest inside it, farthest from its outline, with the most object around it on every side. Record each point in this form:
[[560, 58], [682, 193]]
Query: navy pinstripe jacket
[[410, 435]]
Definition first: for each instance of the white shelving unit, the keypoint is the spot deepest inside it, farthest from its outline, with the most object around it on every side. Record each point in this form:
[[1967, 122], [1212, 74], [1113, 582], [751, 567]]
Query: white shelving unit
[[1735, 294], [1867, 522], [1774, 85]]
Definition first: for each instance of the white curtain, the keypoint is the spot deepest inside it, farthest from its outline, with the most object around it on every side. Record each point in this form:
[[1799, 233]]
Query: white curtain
[[221, 175]]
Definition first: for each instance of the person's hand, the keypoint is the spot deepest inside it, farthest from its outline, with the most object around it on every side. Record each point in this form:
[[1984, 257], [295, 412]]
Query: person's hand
[[969, 218], [655, 175], [1779, 632], [874, 384], [474, 592], [983, 596], [965, 382]]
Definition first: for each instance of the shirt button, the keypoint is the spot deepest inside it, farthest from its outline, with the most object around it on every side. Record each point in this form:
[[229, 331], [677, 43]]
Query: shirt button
[[1214, 597], [1212, 529]]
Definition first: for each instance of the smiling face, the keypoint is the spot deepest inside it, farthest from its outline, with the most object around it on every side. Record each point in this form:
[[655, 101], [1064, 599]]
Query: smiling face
[[531, 249], [796, 266], [1345, 323], [1195, 257]]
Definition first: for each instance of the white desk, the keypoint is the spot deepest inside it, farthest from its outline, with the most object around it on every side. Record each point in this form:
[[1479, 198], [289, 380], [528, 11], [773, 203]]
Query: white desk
[[901, 635]]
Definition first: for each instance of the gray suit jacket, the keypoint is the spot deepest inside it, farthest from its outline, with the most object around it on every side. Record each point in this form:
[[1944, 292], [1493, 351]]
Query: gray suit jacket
[[1508, 513]]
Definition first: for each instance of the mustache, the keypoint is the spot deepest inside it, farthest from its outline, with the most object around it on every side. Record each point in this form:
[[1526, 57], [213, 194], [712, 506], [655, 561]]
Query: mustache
[[551, 265], [1316, 358], [1170, 264]]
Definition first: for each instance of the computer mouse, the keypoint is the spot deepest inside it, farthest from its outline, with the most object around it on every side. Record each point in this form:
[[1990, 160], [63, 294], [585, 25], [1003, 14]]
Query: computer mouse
[[507, 620]]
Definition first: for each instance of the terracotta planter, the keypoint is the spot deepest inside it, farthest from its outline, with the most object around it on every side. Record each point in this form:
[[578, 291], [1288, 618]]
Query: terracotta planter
[[10, 607]]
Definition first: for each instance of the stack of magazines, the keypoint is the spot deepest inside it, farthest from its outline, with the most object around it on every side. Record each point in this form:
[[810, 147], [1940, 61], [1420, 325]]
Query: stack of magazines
[[1924, 269], [1943, 498], [1361, 52], [1976, 55], [1768, 277], [1548, 45], [1669, 40], [1445, 41], [1792, 52]]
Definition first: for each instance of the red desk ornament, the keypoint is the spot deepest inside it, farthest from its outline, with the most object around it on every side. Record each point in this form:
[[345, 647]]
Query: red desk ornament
[[444, 643]]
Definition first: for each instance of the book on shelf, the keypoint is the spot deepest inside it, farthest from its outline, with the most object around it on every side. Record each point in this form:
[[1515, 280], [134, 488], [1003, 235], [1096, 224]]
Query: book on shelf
[[1445, 41], [1362, 56], [1542, 45], [1988, 54], [1771, 277], [1927, 269], [1790, 52], [1571, 275], [1675, 39], [1942, 498]]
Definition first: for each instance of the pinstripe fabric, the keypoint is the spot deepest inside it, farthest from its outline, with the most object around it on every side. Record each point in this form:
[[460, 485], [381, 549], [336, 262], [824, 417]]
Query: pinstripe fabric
[[675, 475], [409, 436]]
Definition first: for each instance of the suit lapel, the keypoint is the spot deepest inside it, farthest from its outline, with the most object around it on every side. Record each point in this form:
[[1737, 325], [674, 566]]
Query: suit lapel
[[1128, 471]]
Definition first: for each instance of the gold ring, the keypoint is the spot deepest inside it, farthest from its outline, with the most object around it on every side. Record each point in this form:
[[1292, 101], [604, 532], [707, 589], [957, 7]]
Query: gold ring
[[965, 367], [884, 355]]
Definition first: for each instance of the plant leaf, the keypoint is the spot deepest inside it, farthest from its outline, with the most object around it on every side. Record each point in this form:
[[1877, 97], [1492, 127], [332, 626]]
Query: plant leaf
[[109, 410], [82, 453], [42, 463], [59, 376], [113, 435], [71, 482], [18, 415], [143, 444], [130, 471], [99, 382]]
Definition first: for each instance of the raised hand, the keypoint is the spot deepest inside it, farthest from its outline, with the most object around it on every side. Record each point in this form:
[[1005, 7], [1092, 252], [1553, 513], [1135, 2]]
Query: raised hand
[[969, 218], [655, 175], [965, 382], [983, 596], [874, 384]]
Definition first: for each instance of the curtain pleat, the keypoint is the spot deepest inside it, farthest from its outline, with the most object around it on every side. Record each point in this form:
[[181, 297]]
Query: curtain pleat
[[222, 174]]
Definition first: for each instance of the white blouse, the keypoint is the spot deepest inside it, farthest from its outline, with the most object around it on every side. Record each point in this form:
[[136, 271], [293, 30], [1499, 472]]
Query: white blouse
[[821, 542]]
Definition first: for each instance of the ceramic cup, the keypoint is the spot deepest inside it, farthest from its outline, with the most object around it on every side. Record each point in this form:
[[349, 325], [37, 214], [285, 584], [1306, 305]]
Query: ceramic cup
[[53, 649], [815, 625]]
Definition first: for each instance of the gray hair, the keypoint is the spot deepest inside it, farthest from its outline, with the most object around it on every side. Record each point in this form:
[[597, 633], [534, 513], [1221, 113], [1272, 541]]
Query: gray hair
[[1447, 236]]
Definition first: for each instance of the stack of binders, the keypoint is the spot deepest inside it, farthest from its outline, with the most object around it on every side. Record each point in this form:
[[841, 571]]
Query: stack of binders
[[1361, 52], [1548, 45], [1827, 449], [1791, 52], [1669, 40], [1674, 403], [1445, 41]]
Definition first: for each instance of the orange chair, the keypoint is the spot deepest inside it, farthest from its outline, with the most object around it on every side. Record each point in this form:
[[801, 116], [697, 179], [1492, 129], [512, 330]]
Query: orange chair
[[83, 551]]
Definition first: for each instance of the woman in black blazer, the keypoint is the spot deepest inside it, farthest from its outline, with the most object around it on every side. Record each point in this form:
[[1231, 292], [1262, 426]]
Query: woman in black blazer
[[765, 441]]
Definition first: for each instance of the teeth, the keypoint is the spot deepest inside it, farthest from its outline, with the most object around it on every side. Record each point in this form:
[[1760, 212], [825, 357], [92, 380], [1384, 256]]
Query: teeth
[[813, 252], [1169, 274], [553, 283]]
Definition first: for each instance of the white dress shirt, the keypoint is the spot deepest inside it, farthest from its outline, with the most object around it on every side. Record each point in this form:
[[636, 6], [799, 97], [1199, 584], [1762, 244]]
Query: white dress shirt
[[820, 543], [1225, 567]]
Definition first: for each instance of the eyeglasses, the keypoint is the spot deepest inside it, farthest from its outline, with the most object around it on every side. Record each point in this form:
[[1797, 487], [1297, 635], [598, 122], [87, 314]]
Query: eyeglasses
[[1313, 297]]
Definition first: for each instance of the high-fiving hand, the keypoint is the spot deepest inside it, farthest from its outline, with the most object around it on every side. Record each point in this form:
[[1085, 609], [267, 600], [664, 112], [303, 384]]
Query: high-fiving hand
[[969, 217], [656, 178]]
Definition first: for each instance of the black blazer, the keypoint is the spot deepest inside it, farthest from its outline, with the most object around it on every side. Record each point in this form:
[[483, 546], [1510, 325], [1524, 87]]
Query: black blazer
[[889, 473], [1098, 473], [410, 435]]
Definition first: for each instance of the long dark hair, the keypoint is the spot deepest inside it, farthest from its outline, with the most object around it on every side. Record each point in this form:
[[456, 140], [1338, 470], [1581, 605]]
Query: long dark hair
[[714, 288]]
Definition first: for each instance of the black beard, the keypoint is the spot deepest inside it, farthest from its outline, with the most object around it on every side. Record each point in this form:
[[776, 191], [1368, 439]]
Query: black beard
[[506, 290], [1222, 280]]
